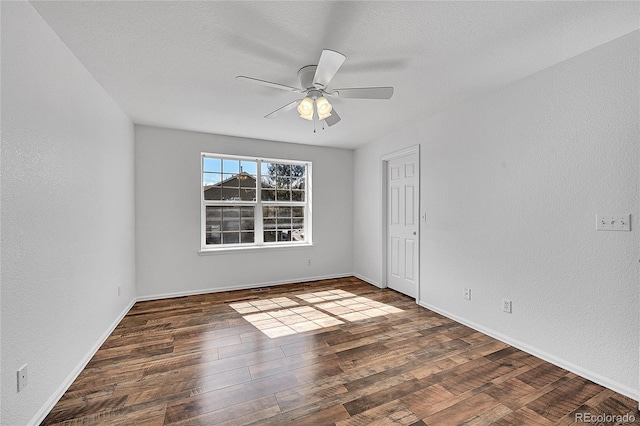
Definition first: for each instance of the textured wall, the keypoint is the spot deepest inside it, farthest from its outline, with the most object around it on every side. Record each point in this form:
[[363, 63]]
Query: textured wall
[[168, 216], [511, 184], [67, 230]]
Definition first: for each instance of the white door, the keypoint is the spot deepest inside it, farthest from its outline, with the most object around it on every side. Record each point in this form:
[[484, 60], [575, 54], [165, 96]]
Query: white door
[[402, 224]]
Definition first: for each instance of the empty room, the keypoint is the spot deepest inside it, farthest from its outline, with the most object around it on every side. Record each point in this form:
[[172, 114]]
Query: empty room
[[314, 212]]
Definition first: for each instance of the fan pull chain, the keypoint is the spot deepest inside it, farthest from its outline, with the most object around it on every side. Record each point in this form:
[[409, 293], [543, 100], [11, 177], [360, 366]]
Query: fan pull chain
[[314, 126]]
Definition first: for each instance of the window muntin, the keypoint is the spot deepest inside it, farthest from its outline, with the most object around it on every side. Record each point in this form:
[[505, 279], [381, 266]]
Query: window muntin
[[254, 202]]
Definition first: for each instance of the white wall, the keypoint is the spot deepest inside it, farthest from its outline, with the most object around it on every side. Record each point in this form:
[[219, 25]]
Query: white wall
[[511, 184], [67, 214], [167, 164]]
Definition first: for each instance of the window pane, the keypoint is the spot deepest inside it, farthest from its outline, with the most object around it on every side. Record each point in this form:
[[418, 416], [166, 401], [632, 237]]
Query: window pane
[[246, 181], [212, 193], [284, 211], [280, 169], [269, 211], [249, 167], [265, 169], [284, 223], [298, 223], [209, 178], [297, 170], [284, 195], [283, 182], [211, 186], [231, 219], [297, 211], [231, 225], [214, 238], [284, 169], [230, 180], [211, 165], [246, 224], [269, 236], [230, 212], [214, 212], [247, 211], [247, 237], [297, 195], [247, 194], [284, 236], [268, 194], [230, 237], [230, 193], [213, 225], [297, 235], [268, 182], [297, 183], [269, 224], [231, 166]]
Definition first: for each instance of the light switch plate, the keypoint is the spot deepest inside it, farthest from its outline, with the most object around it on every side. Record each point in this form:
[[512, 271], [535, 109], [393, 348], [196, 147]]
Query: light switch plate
[[613, 222]]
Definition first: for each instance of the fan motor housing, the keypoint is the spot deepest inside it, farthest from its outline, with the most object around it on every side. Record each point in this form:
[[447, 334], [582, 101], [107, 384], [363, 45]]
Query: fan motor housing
[[306, 74]]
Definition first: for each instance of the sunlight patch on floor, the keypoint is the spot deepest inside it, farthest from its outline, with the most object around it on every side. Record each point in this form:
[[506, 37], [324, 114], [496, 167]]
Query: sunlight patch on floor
[[268, 316], [290, 321], [358, 308], [325, 296], [263, 305]]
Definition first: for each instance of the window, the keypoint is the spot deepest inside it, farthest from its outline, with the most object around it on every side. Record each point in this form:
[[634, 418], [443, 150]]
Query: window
[[253, 202]]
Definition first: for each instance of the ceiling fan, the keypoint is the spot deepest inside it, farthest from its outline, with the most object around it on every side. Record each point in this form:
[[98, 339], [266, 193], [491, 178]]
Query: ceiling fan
[[314, 80]]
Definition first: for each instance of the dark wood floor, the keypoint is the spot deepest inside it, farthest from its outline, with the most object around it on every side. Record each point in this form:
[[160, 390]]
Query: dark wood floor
[[347, 354]]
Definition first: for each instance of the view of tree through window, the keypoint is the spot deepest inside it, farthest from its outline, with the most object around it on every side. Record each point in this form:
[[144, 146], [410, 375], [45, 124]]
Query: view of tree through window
[[253, 201]]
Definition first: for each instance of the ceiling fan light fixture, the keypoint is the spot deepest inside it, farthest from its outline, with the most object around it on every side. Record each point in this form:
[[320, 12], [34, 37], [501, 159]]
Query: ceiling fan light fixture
[[314, 83], [305, 108], [324, 108]]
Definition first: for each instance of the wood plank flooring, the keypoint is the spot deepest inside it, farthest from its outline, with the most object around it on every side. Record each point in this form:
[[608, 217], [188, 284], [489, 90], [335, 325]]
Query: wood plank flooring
[[329, 352]]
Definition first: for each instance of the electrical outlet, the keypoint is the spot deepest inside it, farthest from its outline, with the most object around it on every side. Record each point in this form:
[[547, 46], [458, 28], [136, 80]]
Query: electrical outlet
[[22, 377], [506, 305], [308, 261], [613, 222], [467, 293]]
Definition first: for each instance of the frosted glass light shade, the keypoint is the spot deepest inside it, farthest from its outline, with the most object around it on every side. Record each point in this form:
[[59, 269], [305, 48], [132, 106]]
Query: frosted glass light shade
[[305, 109], [324, 108]]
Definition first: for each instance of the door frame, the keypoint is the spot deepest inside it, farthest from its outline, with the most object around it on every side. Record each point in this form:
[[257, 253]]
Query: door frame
[[384, 160]]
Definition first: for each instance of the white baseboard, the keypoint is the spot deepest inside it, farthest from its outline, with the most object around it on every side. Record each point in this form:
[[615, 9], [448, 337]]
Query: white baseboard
[[55, 397], [240, 287], [368, 280], [589, 375]]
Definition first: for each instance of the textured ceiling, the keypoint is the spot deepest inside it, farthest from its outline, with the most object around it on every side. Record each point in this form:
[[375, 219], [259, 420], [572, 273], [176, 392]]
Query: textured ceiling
[[172, 64]]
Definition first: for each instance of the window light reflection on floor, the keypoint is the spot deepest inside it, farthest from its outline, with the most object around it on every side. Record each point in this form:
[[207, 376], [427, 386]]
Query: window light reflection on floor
[[325, 296], [297, 319], [291, 321], [263, 305]]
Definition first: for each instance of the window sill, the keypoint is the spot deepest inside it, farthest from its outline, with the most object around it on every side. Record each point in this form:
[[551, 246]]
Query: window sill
[[247, 249]]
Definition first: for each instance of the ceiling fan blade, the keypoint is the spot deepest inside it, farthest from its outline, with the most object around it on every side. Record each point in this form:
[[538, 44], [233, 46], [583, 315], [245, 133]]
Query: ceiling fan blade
[[329, 64], [334, 118], [287, 107], [269, 84], [364, 93]]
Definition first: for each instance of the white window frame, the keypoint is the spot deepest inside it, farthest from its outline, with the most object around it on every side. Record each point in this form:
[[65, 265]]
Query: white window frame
[[259, 242]]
